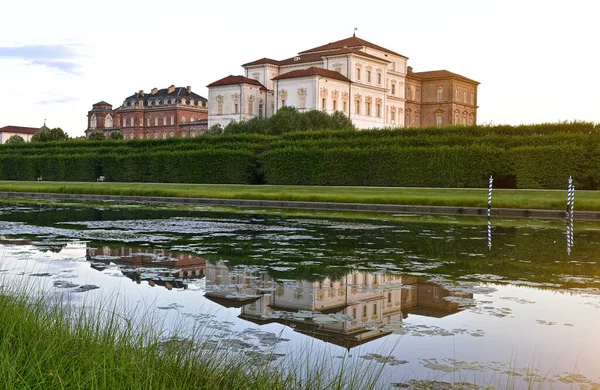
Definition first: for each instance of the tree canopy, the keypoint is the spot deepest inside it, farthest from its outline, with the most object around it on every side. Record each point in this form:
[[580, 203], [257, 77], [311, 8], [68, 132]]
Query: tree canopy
[[97, 135], [15, 139], [46, 134], [289, 119]]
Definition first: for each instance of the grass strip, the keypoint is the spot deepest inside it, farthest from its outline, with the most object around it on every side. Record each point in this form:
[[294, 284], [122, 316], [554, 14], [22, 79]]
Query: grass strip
[[518, 199]]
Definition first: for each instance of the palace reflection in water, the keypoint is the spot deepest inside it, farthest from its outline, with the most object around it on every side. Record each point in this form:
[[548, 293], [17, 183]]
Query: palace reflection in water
[[348, 311]]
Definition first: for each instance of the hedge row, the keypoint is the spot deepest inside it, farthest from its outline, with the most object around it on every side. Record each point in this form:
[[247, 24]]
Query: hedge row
[[459, 167], [204, 166], [539, 156]]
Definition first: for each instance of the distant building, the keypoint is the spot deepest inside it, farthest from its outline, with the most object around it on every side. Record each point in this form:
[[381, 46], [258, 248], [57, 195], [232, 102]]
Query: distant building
[[371, 84], [25, 132], [162, 113]]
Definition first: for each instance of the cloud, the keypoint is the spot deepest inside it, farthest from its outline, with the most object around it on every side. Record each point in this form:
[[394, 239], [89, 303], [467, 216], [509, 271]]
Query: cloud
[[59, 100], [60, 57]]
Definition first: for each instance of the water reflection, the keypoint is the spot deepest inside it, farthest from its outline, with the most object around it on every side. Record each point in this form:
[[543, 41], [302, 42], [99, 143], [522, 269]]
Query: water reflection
[[349, 311], [155, 266]]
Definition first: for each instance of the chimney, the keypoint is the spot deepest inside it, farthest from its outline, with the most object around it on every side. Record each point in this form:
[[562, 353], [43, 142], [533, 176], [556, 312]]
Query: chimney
[[154, 91], [409, 69], [171, 89], [141, 92], [189, 89]]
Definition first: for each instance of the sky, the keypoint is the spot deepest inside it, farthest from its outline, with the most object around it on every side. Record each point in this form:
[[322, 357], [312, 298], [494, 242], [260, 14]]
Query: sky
[[537, 61]]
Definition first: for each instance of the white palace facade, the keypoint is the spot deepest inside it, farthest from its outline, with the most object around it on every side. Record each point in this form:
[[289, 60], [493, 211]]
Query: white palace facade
[[371, 84]]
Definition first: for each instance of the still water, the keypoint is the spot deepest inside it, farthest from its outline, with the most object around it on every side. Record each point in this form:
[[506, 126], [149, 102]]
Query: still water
[[433, 301]]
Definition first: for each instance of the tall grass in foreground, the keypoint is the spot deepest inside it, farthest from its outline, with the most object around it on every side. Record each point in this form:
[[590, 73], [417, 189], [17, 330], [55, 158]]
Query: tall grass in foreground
[[56, 346]]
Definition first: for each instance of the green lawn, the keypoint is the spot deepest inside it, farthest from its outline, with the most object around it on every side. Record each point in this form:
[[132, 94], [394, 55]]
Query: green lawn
[[524, 199]]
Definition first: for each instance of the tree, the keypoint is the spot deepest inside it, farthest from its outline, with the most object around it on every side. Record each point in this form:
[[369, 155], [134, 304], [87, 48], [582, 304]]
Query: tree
[[116, 135], [215, 129], [15, 139], [46, 135], [97, 135]]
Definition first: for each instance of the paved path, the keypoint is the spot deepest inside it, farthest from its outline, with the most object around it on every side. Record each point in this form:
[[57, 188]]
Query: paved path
[[362, 207]]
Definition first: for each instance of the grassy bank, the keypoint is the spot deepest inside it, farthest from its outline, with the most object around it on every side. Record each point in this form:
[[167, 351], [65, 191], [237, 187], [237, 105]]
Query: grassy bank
[[520, 199], [54, 347]]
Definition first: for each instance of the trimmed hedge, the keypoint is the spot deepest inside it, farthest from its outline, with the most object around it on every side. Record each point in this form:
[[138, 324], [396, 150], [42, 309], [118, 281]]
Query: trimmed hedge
[[537, 156]]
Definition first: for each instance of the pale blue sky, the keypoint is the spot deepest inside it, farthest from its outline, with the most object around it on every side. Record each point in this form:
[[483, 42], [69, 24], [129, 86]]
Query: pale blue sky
[[537, 61]]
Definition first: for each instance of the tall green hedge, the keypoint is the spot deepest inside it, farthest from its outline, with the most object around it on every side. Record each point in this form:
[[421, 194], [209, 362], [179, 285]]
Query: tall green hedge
[[532, 156]]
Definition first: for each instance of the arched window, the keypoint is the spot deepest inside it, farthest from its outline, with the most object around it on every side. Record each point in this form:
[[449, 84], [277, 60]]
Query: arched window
[[108, 121], [93, 122]]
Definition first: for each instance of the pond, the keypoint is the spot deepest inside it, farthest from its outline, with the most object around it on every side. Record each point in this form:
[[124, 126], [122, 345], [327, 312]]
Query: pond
[[431, 301]]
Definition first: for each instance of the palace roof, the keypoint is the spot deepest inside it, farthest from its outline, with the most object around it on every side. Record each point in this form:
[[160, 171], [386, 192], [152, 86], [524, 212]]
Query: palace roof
[[318, 57], [439, 74], [19, 129], [164, 92], [313, 71], [352, 42], [262, 61], [234, 80]]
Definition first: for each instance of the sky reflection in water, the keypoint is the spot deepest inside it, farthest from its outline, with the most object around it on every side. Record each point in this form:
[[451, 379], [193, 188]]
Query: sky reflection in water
[[434, 296]]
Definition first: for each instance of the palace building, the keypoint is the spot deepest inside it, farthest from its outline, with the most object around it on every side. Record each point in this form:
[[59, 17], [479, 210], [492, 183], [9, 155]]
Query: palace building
[[24, 132], [371, 84], [162, 113]]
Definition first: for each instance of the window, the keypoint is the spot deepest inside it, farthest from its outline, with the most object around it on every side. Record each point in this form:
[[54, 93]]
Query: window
[[378, 107], [337, 68], [250, 107], [93, 122], [358, 74], [465, 96], [183, 119], [389, 298], [335, 105], [260, 110], [156, 121], [374, 309], [344, 106], [235, 108], [164, 120], [172, 120], [108, 121], [323, 104], [418, 120], [418, 93], [354, 313], [464, 122], [379, 78], [439, 120], [456, 119], [408, 93], [393, 116], [393, 89], [147, 121], [472, 97], [357, 107], [440, 93], [132, 122], [368, 108], [368, 76], [282, 102], [456, 94]]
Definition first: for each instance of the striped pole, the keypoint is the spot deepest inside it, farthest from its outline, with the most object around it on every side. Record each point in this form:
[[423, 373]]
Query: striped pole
[[569, 235], [490, 197], [572, 200], [569, 197]]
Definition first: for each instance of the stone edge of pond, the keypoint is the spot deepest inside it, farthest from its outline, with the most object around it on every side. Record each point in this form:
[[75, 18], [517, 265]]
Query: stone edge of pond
[[362, 207]]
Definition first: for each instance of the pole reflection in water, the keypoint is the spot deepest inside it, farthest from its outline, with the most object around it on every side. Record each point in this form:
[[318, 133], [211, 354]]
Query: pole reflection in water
[[489, 233], [348, 312], [570, 234]]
